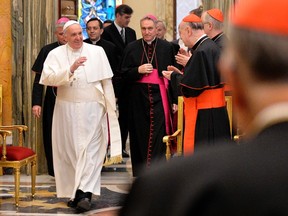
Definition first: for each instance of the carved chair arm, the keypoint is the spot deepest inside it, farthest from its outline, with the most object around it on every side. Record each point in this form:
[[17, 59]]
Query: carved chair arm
[[173, 136], [4, 134], [19, 128]]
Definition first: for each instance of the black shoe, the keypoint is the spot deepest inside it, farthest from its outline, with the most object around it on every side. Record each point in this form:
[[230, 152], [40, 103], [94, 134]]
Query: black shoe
[[78, 196], [84, 205], [72, 204], [125, 154]]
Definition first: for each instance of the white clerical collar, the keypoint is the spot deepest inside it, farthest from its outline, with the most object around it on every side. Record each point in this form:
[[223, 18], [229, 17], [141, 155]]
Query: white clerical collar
[[269, 116], [95, 41], [150, 42], [204, 35]]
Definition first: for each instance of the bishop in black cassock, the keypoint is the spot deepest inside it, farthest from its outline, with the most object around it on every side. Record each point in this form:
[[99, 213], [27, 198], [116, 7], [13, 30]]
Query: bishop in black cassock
[[147, 122]]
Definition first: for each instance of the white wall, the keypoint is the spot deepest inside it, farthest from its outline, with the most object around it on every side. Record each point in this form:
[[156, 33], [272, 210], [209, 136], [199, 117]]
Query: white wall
[[183, 9], [140, 8]]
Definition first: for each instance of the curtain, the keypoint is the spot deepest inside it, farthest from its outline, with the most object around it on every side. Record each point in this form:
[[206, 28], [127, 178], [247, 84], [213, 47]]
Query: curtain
[[223, 5], [32, 28]]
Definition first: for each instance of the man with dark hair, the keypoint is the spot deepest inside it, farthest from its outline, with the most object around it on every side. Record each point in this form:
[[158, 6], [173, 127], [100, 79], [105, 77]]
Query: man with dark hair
[[50, 95], [94, 28], [248, 179], [120, 34]]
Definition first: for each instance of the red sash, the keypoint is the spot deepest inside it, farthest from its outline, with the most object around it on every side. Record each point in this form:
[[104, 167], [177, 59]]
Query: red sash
[[212, 98], [153, 78]]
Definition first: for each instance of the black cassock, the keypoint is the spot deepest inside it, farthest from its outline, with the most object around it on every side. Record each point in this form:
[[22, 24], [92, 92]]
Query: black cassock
[[49, 102], [220, 40], [146, 112], [201, 74]]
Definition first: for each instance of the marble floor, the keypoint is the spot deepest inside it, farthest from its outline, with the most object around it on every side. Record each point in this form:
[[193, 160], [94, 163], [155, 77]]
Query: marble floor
[[115, 183]]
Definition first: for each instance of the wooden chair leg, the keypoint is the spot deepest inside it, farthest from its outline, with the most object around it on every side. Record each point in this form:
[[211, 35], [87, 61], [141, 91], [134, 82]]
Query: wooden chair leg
[[17, 185], [168, 151], [33, 177]]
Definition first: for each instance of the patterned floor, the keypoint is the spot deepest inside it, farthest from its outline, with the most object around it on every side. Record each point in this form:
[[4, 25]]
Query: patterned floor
[[116, 181]]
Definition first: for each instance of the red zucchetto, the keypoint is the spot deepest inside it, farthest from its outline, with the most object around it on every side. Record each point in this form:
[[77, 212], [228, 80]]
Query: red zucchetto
[[262, 15], [216, 14], [192, 18]]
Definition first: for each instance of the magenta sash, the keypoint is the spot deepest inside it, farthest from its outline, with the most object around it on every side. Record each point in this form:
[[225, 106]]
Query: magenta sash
[[153, 78]]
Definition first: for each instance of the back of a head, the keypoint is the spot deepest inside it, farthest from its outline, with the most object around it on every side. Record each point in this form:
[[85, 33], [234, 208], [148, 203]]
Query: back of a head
[[108, 21], [123, 9], [214, 16], [197, 11], [259, 34], [193, 21]]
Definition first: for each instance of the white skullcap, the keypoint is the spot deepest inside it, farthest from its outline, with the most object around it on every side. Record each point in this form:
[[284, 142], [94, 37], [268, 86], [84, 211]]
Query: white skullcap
[[69, 23]]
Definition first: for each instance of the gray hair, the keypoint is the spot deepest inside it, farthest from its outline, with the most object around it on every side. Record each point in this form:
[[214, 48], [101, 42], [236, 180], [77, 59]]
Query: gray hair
[[217, 24], [196, 25]]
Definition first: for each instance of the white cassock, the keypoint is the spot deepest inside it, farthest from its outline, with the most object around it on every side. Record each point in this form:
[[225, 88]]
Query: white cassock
[[79, 130]]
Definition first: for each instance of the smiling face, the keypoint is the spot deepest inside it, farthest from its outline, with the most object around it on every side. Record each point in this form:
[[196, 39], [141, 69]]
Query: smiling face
[[73, 36], [94, 31], [148, 30]]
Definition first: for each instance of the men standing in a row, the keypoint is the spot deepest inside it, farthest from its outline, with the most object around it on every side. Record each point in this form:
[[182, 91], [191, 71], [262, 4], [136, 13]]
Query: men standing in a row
[[248, 179], [149, 106], [120, 34], [213, 21], [94, 28], [50, 95], [206, 118]]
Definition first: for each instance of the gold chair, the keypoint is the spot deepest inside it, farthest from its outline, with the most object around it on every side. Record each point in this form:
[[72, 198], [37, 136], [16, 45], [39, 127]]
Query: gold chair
[[229, 106], [178, 134], [16, 156]]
